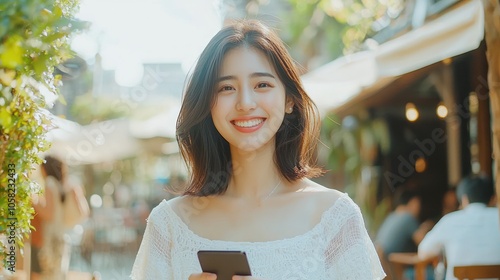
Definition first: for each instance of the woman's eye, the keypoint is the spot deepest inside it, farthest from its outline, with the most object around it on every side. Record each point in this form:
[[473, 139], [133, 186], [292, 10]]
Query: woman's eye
[[263, 85], [225, 88]]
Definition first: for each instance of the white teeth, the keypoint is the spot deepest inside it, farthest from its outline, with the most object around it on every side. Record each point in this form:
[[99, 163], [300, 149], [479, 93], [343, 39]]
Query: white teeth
[[248, 123]]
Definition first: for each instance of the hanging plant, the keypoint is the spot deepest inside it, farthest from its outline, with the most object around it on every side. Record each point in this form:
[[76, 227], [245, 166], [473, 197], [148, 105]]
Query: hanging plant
[[33, 40]]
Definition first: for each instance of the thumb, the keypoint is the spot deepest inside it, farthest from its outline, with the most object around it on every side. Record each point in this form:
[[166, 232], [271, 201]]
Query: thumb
[[209, 276]]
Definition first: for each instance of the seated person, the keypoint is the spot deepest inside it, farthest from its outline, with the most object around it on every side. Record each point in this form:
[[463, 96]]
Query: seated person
[[450, 201], [469, 236], [401, 231]]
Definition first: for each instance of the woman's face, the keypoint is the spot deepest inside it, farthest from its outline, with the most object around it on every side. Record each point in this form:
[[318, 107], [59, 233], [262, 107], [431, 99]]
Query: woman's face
[[250, 100]]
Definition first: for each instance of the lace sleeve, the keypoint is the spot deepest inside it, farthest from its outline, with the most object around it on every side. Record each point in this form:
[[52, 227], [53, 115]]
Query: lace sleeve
[[153, 260], [351, 254]]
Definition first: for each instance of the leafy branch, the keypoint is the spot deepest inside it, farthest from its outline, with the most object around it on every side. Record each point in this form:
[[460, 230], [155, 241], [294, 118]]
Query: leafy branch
[[33, 40]]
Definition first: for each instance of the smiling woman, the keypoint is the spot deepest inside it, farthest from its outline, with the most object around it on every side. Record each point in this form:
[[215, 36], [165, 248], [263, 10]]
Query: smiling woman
[[248, 131], [249, 100]]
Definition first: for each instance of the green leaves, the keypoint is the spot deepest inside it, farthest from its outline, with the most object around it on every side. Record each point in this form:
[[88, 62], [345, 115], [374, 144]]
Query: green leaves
[[354, 143], [327, 29], [11, 53], [5, 118], [33, 39]]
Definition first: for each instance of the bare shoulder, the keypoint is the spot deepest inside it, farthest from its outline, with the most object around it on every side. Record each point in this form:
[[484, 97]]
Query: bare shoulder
[[184, 202], [177, 201], [187, 206], [313, 187], [321, 195]]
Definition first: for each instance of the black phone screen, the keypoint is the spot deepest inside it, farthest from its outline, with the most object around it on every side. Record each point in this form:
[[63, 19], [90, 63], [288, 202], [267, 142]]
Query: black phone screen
[[224, 263]]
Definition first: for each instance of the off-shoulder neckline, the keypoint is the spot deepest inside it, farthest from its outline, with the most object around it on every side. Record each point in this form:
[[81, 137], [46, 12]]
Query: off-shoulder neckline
[[324, 216]]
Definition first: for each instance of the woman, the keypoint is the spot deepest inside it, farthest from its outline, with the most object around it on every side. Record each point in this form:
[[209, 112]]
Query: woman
[[248, 130], [49, 245]]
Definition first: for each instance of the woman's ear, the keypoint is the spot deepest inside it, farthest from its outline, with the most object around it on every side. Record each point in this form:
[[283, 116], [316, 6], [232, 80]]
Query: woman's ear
[[289, 107]]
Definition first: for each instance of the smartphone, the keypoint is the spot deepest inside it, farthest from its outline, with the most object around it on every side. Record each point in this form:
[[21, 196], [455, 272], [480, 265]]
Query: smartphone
[[224, 263]]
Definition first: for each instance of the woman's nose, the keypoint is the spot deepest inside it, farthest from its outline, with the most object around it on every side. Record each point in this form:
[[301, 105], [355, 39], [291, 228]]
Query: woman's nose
[[246, 100]]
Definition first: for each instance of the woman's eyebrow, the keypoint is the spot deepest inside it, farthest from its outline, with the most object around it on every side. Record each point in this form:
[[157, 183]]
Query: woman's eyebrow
[[253, 75], [225, 78], [262, 74]]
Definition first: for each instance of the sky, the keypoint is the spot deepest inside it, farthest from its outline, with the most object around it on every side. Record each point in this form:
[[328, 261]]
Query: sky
[[128, 33]]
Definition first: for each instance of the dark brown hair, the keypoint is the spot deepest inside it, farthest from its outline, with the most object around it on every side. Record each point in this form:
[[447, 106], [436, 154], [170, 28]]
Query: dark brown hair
[[477, 188], [56, 168], [205, 151]]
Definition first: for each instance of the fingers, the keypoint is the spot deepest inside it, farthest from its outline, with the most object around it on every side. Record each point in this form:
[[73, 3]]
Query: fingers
[[211, 276], [203, 276]]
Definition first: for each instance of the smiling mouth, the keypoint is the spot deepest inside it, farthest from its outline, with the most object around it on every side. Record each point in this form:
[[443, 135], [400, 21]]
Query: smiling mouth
[[248, 123]]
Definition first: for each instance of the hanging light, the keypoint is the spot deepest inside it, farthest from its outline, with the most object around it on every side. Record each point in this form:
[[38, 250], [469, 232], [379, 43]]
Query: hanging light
[[441, 110], [420, 165], [411, 112]]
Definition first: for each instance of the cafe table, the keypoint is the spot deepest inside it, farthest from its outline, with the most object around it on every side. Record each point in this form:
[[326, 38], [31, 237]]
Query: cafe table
[[401, 260]]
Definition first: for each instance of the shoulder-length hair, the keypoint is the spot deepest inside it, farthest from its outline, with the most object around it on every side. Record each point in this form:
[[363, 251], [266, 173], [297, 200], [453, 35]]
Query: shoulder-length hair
[[54, 167], [205, 151]]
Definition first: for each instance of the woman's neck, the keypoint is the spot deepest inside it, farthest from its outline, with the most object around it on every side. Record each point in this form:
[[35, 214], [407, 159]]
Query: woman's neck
[[255, 174]]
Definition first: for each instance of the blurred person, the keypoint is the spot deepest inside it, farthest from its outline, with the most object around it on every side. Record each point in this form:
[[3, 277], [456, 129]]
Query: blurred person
[[450, 201], [450, 204], [401, 231], [49, 244], [140, 210], [470, 236], [247, 130]]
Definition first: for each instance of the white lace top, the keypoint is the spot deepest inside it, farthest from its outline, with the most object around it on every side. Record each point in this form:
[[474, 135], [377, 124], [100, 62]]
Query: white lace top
[[338, 247]]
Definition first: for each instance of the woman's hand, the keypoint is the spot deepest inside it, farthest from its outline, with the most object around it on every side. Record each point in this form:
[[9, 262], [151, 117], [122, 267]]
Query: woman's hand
[[211, 276], [203, 276], [237, 277]]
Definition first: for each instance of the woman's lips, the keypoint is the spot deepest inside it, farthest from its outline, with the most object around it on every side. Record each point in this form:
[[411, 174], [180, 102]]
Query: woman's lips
[[249, 125]]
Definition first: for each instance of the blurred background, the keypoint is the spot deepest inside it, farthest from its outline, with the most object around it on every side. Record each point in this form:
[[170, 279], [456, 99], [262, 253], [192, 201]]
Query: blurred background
[[401, 87]]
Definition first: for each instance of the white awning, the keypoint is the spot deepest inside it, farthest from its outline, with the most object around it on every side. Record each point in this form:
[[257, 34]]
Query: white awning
[[455, 32], [109, 140], [159, 125], [94, 143]]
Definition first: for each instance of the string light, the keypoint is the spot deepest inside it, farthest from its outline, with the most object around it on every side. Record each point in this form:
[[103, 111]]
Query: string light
[[411, 112], [441, 111]]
